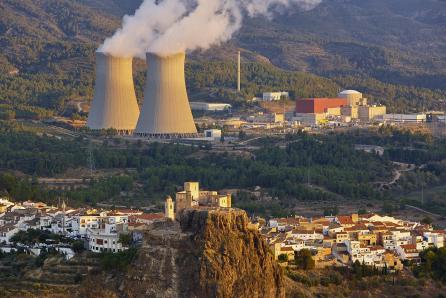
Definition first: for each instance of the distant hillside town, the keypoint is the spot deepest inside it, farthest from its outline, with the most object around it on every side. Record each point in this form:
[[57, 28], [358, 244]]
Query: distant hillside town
[[342, 240], [370, 239], [100, 230]]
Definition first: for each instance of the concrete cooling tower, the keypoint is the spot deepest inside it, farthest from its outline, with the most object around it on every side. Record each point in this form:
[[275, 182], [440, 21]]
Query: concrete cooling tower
[[166, 112], [114, 104]]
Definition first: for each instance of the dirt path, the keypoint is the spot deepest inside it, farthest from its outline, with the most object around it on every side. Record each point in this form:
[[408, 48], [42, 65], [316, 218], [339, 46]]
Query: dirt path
[[422, 210], [403, 167]]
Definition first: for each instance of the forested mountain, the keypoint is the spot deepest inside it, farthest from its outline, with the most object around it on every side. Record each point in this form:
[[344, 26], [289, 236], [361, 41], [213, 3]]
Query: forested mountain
[[393, 50]]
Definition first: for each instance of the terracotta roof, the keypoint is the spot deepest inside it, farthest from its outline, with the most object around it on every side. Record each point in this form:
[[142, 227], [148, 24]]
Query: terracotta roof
[[408, 246], [135, 224], [439, 231], [377, 247], [149, 216], [345, 220], [303, 232], [127, 211], [289, 220]]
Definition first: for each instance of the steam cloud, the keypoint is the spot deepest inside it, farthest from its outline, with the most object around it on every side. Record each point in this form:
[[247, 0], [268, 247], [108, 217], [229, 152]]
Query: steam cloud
[[169, 26]]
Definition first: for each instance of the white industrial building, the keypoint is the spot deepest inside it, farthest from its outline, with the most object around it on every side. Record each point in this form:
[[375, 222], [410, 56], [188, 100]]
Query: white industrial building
[[210, 107], [274, 96], [213, 134], [403, 118]]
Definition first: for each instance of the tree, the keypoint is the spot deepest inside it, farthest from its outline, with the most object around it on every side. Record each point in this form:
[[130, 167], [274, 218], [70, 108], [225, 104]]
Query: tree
[[283, 258], [304, 259], [427, 220], [387, 208], [78, 246], [242, 135], [126, 239]]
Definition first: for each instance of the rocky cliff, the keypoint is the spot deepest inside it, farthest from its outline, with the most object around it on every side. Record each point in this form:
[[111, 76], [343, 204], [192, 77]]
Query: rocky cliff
[[206, 253]]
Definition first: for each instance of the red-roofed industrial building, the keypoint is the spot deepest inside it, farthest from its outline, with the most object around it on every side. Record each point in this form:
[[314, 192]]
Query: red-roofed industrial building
[[318, 105]]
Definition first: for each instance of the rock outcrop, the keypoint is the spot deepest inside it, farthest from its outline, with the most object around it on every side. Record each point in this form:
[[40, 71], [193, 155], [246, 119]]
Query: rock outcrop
[[206, 253]]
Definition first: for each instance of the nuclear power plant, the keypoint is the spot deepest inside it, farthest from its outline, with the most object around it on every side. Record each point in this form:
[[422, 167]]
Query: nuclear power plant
[[166, 112], [114, 105]]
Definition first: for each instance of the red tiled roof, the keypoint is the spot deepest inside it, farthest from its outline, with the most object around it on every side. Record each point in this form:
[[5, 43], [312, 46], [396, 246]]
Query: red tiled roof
[[135, 224], [345, 220], [127, 211], [149, 216], [408, 246]]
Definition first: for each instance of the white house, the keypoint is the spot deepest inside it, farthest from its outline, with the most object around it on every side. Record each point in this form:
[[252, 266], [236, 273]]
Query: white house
[[6, 233], [105, 239], [408, 252], [434, 238]]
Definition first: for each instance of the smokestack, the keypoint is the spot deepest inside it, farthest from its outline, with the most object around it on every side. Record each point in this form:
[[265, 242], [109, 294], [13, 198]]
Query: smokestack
[[114, 104], [238, 73], [166, 112]]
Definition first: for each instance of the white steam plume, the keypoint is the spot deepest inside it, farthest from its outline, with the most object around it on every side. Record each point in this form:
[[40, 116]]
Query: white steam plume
[[169, 26]]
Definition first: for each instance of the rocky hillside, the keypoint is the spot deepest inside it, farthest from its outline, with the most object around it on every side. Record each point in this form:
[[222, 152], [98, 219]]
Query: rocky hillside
[[205, 254]]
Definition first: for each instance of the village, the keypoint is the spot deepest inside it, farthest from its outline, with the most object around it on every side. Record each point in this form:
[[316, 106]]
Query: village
[[341, 240], [370, 239]]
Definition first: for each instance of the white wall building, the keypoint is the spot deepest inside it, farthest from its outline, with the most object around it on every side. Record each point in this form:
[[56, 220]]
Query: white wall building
[[434, 239], [403, 118], [275, 96], [213, 134], [210, 107], [6, 233], [106, 238]]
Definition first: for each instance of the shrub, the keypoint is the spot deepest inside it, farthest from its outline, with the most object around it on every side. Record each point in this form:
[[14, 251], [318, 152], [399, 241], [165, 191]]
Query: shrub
[[304, 259], [118, 261], [283, 258]]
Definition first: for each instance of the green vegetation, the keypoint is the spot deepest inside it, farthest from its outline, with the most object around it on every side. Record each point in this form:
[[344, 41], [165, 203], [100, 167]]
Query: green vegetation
[[311, 168], [126, 239], [433, 264], [49, 46], [304, 259], [283, 258], [32, 236], [118, 261]]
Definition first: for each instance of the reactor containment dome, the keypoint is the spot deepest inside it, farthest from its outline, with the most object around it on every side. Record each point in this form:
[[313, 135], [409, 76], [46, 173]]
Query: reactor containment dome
[[114, 104], [166, 112]]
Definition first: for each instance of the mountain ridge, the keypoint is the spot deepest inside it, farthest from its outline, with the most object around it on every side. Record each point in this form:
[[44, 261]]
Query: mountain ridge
[[374, 45]]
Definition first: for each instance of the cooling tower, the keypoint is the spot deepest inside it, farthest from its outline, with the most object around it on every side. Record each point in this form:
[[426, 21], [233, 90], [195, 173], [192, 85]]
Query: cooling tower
[[166, 111], [114, 104]]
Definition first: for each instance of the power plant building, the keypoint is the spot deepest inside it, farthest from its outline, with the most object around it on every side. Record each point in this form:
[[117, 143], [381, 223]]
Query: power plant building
[[318, 105], [368, 113], [114, 105], [354, 98], [210, 106], [166, 112], [349, 105]]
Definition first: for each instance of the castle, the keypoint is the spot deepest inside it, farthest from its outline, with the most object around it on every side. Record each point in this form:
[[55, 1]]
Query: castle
[[193, 197]]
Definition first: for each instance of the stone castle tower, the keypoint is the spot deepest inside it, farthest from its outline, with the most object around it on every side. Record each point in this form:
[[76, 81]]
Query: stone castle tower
[[169, 208]]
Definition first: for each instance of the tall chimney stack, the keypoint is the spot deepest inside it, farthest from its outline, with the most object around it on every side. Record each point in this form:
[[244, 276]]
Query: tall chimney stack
[[114, 104], [166, 112], [238, 72]]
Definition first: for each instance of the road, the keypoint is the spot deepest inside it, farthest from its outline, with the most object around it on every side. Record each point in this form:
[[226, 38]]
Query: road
[[422, 210], [397, 174]]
